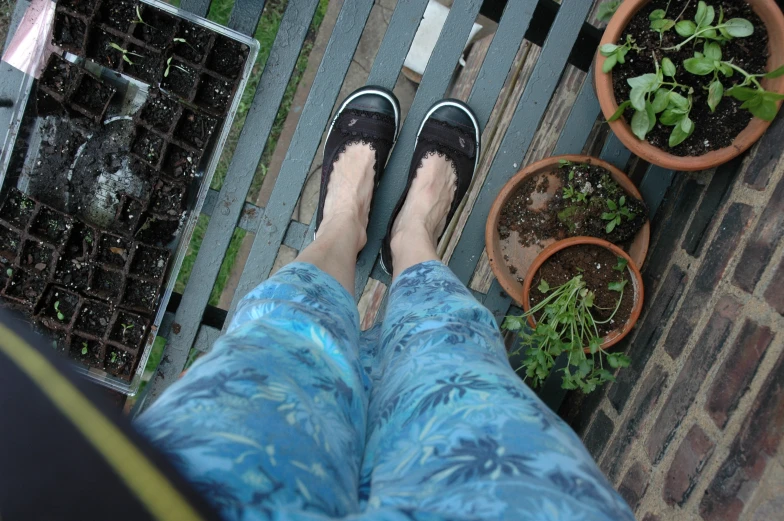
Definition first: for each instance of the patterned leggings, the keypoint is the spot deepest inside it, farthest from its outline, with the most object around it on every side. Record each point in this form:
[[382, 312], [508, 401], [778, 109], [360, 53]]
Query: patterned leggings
[[294, 415]]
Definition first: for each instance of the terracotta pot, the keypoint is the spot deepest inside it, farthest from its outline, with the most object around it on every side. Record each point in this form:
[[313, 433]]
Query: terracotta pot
[[770, 14], [616, 335], [513, 288]]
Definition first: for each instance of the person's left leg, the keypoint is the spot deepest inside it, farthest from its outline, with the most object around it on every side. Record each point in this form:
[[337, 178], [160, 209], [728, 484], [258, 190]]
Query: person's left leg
[[273, 418]]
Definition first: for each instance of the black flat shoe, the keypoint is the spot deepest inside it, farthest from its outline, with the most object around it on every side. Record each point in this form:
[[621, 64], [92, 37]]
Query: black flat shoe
[[450, 128], [369, 115]]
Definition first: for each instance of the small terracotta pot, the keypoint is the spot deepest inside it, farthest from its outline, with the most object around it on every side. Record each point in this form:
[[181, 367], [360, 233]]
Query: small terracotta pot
[[770, 14], [615, 336], [512, 287]]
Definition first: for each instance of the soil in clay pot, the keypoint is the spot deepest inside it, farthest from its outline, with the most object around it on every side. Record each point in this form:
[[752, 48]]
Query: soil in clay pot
[[192, 41], [159, 111], [118, 14], [582, 206], [86, 351], [58, 75], [93, 318], [69, 32], [713, 130], [129, 329], [155, 27], [227, 57], [598, 268], [17, 209]]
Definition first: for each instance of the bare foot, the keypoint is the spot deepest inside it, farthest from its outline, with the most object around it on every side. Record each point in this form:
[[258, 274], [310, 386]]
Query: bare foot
[[423, 215], [350, 191]]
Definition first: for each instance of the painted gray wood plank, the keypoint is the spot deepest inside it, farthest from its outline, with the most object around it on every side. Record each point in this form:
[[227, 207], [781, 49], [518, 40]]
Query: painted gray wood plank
[[397, 40], [11, 78], [245, 15], [518, 137], [295, 235], [249, 218], [435, 81], [197, 7], [654, 186], [269, 93], [581, 119], [615, 153], [304, 145]]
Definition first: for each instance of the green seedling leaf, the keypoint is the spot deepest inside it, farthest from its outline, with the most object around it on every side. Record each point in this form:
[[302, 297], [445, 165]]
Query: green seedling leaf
[[9, 272], [741, 93], [621, 265], [657, 14], [609, 63], [611, 204], [678, 134], [651, 116], [640, 123], [670, 117], [715, 93], [766, 109], [775, 73], [710, 14], [702, 11], [660, 100], [513, 323], [739, 27], [647, 82], [699, 66], [608, 49], [621, 109], [662, 26], [668, 68], [117, 47], [610, 226], [84, 348], [622, 200], [712, 51], [544, 287], [679, 101], [594, 344], [617, 286], [607, 10], [564, 162], [685, 28]]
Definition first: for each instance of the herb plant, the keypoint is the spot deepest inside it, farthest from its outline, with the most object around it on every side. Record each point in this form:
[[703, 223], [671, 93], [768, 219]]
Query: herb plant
[[617, 53], [607, 10], [169, 66], [60, 315], [125, 53], [616, 211], [84, 348], [567, 325]]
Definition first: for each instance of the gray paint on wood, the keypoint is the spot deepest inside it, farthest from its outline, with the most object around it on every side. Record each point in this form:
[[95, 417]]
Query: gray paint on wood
[[295, 235], [581, 119], [245, 15], [272, 85], [615, 153], [197, 7], [518, 137], [435, 81], [397, 40], [304, 144], [654, 186]]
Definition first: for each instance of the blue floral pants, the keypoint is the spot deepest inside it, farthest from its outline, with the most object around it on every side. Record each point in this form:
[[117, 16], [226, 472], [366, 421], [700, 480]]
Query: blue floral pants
[[294, 415]]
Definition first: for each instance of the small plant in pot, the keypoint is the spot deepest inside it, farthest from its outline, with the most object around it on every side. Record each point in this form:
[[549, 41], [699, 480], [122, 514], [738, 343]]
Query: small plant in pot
[[581, 296], [690, 84]]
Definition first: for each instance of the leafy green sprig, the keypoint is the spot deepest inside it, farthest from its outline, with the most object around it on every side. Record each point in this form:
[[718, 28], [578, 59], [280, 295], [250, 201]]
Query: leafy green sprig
[[617, 53], [567, 325], [615, 212], [607, 10], [702, 28]]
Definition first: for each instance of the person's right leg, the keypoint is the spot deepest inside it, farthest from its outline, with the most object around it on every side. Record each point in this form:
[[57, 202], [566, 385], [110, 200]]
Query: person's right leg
[[452, 430]]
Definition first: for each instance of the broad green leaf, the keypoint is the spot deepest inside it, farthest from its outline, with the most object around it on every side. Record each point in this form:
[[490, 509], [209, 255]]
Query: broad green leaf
[[702, 10], [637, 98], [622, 263], [611, 204], [612, 361], [616, 286], [607, 216], [766, 110], [610, 226], [647, 82], [651, 117], [679, 101], [513, 323], [661, 26], [622, 200], [685, 28], [715, 93], [708, 33], [753, 102], [621, 54], [669, 117], [687, 125], [741, 93], [668, 68], [544, 287], [712, 50], [739, 27], [775, 73], [619, 112], [660, 100], [677, 136], [623, 360], [609, 63], [607, 9], [710, 14], [608, 48], [594, 344], [775, 96], [726, 70], [657, 14], [699, 66]]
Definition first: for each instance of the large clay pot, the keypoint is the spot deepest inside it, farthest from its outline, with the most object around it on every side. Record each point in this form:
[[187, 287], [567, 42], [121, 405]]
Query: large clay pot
[[524, 257], [770, 14], [616, 335]]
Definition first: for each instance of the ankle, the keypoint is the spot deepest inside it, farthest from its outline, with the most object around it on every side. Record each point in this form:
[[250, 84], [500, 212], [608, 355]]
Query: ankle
[[347, 226]]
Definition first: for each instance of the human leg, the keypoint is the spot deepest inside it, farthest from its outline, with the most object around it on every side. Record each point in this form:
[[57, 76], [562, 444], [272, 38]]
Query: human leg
[[272, 420]]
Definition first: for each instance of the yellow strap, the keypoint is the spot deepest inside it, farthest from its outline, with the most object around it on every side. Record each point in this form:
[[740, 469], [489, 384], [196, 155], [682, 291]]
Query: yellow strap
[[151, 487]]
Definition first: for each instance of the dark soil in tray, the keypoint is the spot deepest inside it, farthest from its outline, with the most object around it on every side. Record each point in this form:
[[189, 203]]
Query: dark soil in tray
[[180, 163], [106, 283], [159, 111], [195, 128], [180, 79], [69, 32], [595, 265], [80, 243], [17, 209], [147, 145], [37, 258], [86, 351], [74, 274], [214, 94], [25, 287], [140, 295], [576, 209], [128, 214], [100, 50], [144, 65], [129, 329], [113, 250], [196, 39], [84, 7], [92, 95], [119, 362], [58, 74], [157, 29], [93, 318], [9, 244], [118, 14], [158, 231], [227, 57], [150, 262], [713, 130], [59, 306], [50, 225], [167, 198]]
